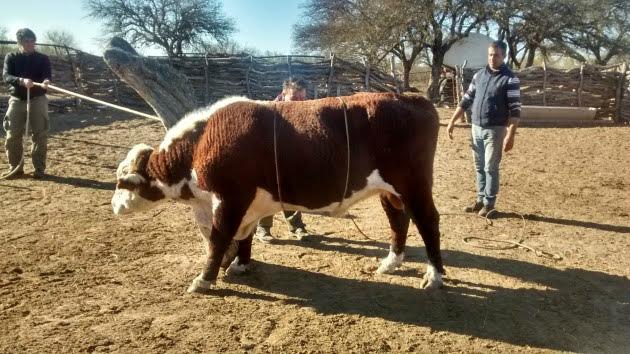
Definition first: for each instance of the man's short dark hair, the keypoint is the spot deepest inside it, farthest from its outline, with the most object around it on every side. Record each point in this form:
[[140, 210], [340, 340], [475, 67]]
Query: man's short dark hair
[[500, 45], [25, 33]]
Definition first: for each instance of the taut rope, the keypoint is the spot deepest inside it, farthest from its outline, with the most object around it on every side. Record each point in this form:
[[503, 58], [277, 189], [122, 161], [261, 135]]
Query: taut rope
[[55, 88]]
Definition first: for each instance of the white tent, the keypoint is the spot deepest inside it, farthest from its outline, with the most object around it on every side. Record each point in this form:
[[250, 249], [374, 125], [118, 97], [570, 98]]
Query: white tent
[[473, 48]]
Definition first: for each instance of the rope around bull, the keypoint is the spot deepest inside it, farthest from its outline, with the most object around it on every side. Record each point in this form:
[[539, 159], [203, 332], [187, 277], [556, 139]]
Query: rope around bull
[[275, 155]]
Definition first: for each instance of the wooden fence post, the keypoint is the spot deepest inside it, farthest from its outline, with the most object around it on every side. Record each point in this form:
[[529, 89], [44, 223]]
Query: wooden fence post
[[249, 69], [581, 84], [289, 64], [367, 76], [205, 71], [544, 81], [619, 96], [75, 78], [330, 74]]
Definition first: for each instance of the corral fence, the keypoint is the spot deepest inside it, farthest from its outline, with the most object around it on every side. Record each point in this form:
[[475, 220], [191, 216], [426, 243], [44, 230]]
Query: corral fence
[[214, 77]]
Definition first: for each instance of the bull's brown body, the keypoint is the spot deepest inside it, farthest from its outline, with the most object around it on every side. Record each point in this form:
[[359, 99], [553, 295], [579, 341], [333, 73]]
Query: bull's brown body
[[233, 156]]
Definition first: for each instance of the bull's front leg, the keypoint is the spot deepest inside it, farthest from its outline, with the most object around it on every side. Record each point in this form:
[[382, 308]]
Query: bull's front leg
[[217, 245], [224, 226]]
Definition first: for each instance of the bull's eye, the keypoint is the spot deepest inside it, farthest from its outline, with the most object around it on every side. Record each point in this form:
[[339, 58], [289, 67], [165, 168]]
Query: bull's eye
[[126, 184]]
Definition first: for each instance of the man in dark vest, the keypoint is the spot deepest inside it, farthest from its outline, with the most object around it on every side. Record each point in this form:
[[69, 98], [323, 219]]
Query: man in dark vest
[[495, 97], [21, 69]]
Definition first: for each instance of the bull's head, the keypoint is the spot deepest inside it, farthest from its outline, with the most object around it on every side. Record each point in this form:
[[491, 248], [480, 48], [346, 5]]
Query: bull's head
[[134, 190]]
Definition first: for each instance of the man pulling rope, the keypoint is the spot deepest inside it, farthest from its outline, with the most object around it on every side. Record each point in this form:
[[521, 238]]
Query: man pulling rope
[[28, 105]]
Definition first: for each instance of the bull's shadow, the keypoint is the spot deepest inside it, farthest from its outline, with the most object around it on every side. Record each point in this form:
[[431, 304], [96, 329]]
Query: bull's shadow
[[571, 309]]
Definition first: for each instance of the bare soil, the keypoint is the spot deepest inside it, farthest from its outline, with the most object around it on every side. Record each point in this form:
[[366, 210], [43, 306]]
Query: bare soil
[[75, 278]]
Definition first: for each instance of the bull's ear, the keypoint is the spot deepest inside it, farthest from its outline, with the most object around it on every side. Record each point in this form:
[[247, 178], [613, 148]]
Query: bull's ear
[[142, 159]]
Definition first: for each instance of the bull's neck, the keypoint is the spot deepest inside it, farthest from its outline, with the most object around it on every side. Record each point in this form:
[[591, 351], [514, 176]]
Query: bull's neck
[[173, 164]]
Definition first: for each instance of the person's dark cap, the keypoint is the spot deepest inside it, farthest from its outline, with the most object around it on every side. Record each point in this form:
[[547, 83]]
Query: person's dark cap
[[25, 33]]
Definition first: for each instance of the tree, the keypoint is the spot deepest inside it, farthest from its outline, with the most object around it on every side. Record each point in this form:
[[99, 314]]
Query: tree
[[173, 25], [601, 34], [351, 28], [228, 47], [447, 22], [363, 30], [60, 37], [3, 37], [401, 27], [531, 26]]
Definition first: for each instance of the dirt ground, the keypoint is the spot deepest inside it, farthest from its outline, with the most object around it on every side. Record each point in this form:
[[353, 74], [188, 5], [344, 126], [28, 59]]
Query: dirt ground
[[76, 278]]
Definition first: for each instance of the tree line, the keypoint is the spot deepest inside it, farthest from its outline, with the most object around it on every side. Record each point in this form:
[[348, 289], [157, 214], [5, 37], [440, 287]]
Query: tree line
[[370, 31], [594, 31]]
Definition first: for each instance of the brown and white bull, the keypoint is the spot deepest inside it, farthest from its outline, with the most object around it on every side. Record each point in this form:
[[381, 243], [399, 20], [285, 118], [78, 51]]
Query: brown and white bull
[[226, 160]]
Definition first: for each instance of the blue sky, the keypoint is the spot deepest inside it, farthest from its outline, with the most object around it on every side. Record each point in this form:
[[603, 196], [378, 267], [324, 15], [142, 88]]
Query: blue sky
[[262, 24]]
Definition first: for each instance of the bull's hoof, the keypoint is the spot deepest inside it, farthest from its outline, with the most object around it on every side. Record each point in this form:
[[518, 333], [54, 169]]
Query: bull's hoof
[[432, 279], [201, 286], [236, 269], [390, 263]]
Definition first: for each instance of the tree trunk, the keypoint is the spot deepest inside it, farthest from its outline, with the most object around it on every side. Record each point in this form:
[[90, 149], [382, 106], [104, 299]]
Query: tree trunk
[[531, 55], [433, 92], [407, 64], [165, 89]]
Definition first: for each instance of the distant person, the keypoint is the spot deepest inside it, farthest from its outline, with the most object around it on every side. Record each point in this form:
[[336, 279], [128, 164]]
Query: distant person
[[495, 97], [292, 90], [21, 69]]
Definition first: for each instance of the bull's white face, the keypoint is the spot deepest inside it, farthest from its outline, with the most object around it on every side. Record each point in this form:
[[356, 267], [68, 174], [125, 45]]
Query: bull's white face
[[133, 191]]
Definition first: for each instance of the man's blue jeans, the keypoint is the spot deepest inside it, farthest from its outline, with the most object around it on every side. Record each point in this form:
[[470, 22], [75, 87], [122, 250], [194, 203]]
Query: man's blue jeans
[[487, 147]]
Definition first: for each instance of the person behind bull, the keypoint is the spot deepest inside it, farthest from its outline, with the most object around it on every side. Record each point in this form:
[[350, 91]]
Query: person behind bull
[[494, 95], [21, 69], [292, 90]]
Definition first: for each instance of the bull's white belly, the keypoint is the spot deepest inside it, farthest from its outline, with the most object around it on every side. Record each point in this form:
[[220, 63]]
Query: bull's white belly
[[264, 204]]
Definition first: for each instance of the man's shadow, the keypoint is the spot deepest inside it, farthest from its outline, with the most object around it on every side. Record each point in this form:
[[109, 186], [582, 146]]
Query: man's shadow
[[81, 182], [566, 222], [559, 309]]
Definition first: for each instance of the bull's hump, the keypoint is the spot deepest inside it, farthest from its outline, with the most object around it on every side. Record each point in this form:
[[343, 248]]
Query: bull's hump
[[196, 117]]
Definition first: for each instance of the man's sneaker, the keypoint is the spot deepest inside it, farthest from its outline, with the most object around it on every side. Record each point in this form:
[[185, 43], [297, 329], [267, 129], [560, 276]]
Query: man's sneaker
[[487, 212], [474, 207], [263, 234], [16, 174], [300, 233]]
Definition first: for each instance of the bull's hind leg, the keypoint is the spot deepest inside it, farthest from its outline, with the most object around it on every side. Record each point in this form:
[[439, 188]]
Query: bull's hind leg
[[427, 219], [399, 224]]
